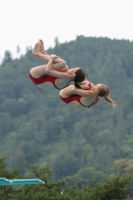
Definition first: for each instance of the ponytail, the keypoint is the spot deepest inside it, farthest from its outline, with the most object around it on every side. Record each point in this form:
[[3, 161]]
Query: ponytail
[[76, 84], [108, 99], [103, 91]]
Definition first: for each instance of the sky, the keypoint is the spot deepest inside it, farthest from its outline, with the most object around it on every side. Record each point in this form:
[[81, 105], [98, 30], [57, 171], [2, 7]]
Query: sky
[[23, 22]]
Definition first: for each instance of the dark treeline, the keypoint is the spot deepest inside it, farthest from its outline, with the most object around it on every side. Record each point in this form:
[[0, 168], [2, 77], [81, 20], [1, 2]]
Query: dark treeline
[[35, 126], [117, 187]]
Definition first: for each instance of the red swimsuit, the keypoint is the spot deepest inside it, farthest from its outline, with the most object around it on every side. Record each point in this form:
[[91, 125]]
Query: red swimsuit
[[76, 97], [43, 79]]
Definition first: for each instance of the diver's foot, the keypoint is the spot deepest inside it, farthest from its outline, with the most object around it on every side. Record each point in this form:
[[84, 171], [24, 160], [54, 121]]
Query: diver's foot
[[36, 50], [42, 47]]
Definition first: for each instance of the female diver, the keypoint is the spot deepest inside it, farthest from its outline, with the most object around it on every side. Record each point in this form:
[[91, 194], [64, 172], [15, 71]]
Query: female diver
[[55, 73], [85, 94]]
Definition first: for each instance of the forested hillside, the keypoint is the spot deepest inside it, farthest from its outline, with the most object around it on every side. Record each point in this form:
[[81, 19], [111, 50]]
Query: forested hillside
[[35, 126]]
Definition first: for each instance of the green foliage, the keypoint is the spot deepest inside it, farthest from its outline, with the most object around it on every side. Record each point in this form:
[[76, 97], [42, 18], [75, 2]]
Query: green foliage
[[85, 176], [110, 188], [115, 188], [7, 57], [7, 192]]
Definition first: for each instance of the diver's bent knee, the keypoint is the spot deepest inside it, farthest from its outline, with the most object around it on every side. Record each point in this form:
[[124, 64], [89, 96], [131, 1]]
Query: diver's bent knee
[[63, 62], [32, 71]]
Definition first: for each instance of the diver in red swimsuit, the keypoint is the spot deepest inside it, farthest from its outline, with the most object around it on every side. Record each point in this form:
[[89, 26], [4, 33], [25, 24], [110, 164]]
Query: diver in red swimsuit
[[85, 95], [55, 73]]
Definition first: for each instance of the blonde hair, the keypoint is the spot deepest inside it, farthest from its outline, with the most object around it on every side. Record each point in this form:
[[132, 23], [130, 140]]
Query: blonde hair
[[103, 91]]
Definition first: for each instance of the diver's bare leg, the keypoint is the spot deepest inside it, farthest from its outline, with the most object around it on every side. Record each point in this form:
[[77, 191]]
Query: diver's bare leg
[[47, 56], [56, 60], [59, 66], [42, 47]]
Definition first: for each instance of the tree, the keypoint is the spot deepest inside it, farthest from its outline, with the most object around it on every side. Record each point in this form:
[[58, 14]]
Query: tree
[[7, 56], [18, 49], [111, 188], [56, 41], [6, 192]]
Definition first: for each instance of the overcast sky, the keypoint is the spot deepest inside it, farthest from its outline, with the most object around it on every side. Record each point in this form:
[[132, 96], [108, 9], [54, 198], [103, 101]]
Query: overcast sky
[[23, 22]]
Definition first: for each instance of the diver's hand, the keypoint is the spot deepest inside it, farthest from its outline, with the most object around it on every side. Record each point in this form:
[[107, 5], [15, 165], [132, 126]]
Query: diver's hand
[[53, 56]]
